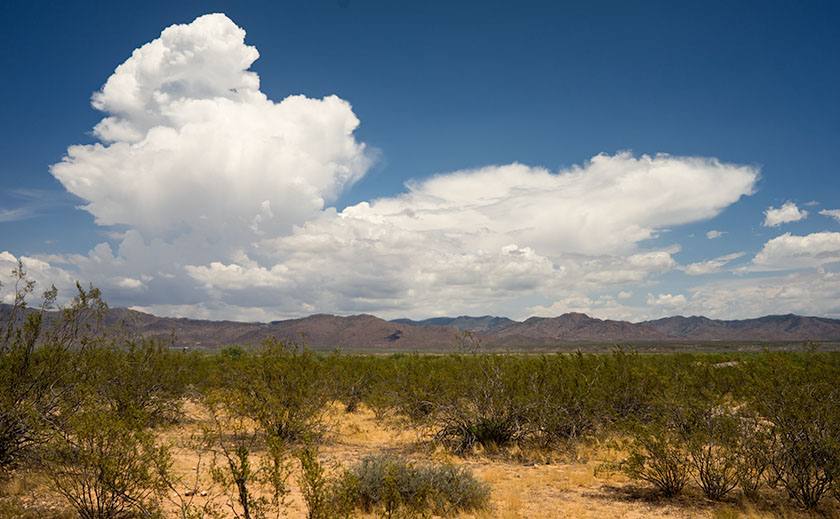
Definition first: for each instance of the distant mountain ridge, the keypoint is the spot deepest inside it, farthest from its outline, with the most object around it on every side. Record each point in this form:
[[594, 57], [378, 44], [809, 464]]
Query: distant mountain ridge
[[368, 332], [461, 323], [788, 327]]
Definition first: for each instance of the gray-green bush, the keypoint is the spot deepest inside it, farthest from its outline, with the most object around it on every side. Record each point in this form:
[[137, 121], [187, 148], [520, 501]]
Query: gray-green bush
[[391, 484]]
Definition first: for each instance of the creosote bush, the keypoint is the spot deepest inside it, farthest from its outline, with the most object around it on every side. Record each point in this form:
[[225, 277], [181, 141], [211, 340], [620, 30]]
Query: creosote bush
[[37, 375], [391, 485], [798, 399], [104, 465], [656, 455], [255, 485], [280, 385]]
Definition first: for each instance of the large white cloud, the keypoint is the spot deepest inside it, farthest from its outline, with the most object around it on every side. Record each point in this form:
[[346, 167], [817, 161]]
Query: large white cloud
[[191, 144], [789, 212], [221, 197], [606, 206], [472, 238]]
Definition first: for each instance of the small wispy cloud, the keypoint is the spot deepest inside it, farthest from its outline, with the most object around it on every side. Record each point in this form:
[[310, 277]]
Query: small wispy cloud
[[32, 203], [15, 215], [711, 266], [714, 234], [833, 213]]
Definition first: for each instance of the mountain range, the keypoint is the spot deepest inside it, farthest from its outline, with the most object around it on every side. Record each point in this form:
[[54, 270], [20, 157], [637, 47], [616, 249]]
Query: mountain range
[[367, 332], [370, 333]]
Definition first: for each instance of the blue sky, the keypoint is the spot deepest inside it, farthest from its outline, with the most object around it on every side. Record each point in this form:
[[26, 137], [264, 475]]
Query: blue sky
[[438, 159]]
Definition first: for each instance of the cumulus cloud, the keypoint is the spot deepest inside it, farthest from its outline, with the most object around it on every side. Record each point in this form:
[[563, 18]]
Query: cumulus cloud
[[710, 266], [833, 213], [191, 143], [221, 202], [789, 251], [714, 234], [774, 217]]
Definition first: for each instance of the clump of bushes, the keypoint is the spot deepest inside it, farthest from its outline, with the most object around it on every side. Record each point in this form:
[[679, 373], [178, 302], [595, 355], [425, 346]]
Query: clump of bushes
[[780, 427], [798, 400], [390, 484]]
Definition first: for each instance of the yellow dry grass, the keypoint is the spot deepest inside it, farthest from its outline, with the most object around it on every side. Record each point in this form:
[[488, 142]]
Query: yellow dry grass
[[525, 483]]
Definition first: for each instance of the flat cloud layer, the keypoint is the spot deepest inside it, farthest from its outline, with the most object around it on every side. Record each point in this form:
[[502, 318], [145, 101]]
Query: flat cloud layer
[[222, 196]]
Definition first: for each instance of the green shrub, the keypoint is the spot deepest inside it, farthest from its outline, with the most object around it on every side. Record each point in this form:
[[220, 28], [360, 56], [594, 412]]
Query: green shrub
[[37, 376], [454, 489], [325, 498], [752, 453], [353, 378], [485, 405], [713, 454], [281, 386], [568, 400], [392, 484], [104, 465], [656, 455], [137, 376]]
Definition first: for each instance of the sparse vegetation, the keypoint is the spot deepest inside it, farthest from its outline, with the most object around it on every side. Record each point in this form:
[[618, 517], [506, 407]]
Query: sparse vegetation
[[91, 412]]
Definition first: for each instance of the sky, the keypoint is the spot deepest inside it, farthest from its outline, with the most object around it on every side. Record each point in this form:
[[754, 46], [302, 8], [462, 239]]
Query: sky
[[270, 160]]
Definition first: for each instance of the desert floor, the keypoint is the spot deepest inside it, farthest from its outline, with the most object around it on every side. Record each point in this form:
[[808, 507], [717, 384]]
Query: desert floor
[[524, 484]]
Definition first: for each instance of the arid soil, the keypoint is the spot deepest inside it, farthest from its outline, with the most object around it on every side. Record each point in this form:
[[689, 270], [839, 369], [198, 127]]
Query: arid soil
[[524, 484]]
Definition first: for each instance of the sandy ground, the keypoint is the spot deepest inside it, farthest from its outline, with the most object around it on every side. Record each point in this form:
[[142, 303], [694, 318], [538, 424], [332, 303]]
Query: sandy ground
[[524, 485]]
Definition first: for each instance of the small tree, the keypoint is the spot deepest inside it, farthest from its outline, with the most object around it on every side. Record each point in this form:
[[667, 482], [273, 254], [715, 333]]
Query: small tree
[[105, 465], [281, 387], [234, 468]]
